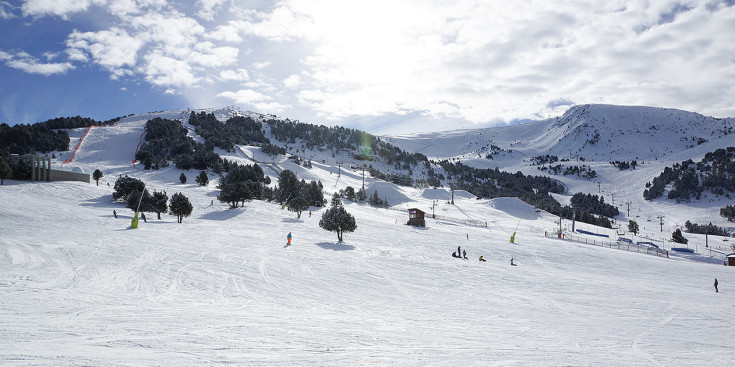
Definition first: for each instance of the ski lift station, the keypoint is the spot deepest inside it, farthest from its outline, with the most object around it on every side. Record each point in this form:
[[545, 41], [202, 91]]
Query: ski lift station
[[416, 217]]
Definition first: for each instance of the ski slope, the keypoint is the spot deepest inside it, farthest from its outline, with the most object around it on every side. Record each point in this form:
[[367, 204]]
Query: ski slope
[[80, 287]]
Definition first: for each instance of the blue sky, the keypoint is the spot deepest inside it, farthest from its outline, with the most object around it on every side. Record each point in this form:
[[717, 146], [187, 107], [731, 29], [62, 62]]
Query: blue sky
[[380, 66]]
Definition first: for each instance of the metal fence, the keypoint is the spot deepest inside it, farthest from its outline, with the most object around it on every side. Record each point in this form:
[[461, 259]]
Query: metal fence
[[650, 250], [468, 222]]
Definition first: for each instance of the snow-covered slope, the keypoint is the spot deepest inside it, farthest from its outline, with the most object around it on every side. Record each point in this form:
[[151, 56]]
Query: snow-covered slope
[[79, 287], [594, 132], [593, 136]]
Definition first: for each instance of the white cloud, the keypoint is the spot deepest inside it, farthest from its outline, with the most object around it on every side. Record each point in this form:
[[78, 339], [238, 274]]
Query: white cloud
[[244, 96], [502, 61], [270, 107], [162, 70], [292, 81], [21, 60], [226, 33], [6, 10], [113, 49], [284, 23], [478, 61], [173, 33], [208, 8], [208, 55], [238, 75], [60, 8], [261, 65]]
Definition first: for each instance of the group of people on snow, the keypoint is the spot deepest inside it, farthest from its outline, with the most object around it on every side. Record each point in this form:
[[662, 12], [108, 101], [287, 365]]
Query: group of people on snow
[[462, 254]]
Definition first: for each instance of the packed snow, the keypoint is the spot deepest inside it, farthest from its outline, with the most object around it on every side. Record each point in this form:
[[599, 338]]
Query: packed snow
[[80, 287]]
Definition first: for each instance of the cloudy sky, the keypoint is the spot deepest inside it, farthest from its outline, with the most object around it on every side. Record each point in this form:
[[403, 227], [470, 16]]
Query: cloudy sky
[[389, 66]]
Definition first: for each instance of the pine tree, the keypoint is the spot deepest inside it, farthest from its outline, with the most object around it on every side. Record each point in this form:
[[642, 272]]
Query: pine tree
[[202, 179], [125, 185], [160, 203], [97, 175], [288, 186], [337, 219], [134, 202], [633, 226], [336, 200], [350, 192], [300, 202], [5, 170], [678, 237], [361, 195], [180, 206], [375, 199], [182, 178], [235, 193]]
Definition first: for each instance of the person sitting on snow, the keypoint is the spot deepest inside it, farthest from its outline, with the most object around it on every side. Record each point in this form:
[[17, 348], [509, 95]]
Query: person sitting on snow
[[481, 259], [454, 254]]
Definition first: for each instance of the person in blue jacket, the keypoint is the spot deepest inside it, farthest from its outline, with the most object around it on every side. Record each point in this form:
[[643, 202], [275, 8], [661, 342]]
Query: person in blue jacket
[[289, 238]]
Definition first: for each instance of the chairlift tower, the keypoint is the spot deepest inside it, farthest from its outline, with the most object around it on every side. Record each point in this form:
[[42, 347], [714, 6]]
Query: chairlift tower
[[661, 222]]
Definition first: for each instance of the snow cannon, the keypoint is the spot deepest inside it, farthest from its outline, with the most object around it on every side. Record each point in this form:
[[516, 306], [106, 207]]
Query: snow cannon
[[134, 223]]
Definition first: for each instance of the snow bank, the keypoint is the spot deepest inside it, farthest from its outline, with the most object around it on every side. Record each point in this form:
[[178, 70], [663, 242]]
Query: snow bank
[[515, 207], [387, 190]]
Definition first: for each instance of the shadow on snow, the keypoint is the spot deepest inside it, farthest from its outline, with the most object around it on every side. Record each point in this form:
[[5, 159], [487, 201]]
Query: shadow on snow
[[335, 246], [222, 214]]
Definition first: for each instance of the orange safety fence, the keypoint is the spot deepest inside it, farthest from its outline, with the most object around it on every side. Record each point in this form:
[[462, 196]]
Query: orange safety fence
[[79, 144], [145, 128]]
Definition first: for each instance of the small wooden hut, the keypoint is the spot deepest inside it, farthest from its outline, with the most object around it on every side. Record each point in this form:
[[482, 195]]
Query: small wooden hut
[[416, 217]]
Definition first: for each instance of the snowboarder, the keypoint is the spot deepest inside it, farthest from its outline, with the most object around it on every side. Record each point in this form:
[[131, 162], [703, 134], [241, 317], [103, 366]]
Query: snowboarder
[[459, 251], [464, 254], [114, 213], [454, 254], [309, 214], [289, 239], [481, 259], [716, 290], [142, 216], [511, 262]]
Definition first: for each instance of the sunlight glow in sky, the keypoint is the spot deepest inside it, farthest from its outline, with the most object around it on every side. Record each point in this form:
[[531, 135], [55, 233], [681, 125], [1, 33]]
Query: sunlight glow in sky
[[381, 66]]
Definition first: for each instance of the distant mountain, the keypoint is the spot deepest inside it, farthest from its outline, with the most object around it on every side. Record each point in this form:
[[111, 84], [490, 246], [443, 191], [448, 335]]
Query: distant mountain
[[580, 145], [593, 132]]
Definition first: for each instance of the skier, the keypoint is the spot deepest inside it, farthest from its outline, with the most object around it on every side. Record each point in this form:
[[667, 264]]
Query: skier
[[114, 213], [289, 239], [142, 216], [459, 251], [716, 290], [511, 262], [481, 259], [464, 254]]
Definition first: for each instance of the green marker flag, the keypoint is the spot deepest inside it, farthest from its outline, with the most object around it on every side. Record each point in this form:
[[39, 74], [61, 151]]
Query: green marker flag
[[134, 224], [513, 237]]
